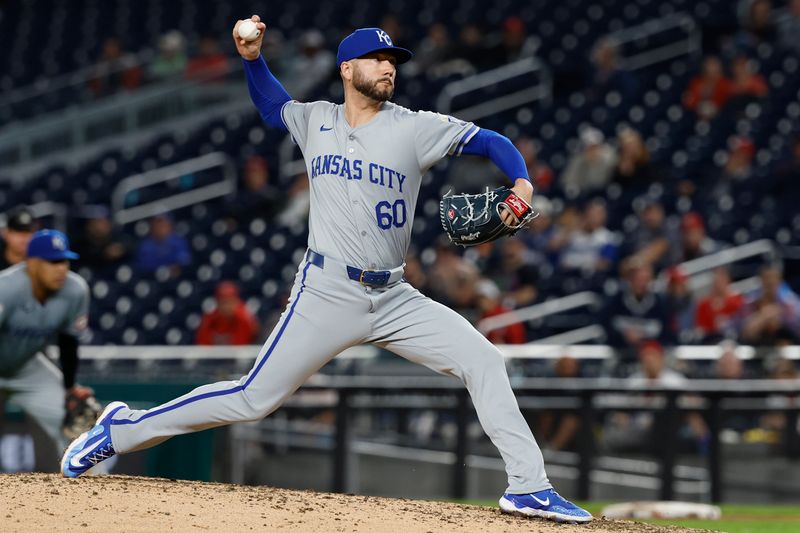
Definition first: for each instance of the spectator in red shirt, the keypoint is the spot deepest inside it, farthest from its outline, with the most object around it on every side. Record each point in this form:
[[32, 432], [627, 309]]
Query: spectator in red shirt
[[230, 323], [746, 81], [210, 64], [715, 313], [709, 91], [490, 304], [115, 70], [747, 85]]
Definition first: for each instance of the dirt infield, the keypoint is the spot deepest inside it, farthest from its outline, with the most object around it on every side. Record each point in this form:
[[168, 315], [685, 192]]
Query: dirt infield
[[48, 502]]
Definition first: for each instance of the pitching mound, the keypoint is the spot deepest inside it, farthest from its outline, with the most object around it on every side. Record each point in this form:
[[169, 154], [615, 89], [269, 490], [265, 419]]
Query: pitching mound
[[48, 502]]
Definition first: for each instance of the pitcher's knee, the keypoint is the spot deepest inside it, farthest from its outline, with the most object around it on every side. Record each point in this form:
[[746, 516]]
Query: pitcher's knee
[[255, 407], [488, 367], [490, 361]]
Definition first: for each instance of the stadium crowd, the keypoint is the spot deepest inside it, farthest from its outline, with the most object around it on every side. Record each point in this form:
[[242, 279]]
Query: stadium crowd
[[576, 243], [618, 215]]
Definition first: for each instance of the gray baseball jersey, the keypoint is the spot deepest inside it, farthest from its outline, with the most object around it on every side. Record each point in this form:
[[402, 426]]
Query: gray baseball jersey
[[365, 180], [28, 326], [364, 184]]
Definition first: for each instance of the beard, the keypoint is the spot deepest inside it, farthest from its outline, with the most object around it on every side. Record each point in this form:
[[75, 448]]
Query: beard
[[372, 89]]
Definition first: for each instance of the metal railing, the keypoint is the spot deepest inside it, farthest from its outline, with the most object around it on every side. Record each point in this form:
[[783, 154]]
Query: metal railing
[[116, 116], [75, 80], [348, 395], [575, 336], [196, 353], [730, 255], [695, 269], [284, 434], [227, 185], [699, 270], [690, 45], [589, 398], [542, 89], [537, 311], [367, 352]]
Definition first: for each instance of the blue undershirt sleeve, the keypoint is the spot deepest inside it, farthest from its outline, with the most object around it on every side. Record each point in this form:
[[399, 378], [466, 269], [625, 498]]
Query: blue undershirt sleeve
[[266, 91], [500, 150]]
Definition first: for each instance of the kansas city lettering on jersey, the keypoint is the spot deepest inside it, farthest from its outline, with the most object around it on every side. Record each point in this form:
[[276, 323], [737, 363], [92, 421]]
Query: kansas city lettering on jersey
[[356, 169]]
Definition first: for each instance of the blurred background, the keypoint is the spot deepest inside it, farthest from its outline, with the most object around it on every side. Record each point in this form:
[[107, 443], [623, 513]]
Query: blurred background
[[665, 142]]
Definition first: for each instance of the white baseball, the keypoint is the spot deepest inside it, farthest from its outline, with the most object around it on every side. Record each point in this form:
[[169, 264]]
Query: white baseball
[[248, 30]]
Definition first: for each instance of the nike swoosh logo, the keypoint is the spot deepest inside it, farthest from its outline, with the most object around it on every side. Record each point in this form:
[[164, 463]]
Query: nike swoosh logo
[[323, 128], [546, 501], [74, 461]]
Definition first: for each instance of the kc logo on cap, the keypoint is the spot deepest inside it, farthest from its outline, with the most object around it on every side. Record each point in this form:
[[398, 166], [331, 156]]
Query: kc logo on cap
[[367, 40], [50, 245], [383, 36]]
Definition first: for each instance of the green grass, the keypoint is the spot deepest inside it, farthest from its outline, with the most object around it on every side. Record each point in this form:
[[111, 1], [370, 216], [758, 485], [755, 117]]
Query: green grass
[[735, 518]]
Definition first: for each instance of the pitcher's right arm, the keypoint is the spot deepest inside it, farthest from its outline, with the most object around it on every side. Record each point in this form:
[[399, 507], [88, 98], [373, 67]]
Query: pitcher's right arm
[[267, 93]]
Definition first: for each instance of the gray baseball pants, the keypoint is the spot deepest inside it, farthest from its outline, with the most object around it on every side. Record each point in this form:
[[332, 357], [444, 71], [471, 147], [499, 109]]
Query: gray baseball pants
[[38, 389], [327, 313]]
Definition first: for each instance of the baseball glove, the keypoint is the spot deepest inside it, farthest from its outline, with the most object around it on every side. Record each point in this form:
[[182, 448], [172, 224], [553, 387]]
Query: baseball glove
[[82, 411], [471, 219]]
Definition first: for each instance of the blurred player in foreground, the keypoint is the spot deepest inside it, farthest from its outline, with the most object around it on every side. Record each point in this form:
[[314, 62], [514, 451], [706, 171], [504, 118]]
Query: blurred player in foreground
[[43, 303]]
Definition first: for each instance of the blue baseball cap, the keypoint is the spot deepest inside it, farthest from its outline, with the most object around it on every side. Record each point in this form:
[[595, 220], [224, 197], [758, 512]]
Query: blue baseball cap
[[365, 40], [50, 245]]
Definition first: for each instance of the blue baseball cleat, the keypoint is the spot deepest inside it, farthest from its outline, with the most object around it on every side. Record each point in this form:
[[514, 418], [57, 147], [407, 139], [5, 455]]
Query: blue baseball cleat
[[545, 504], [91, 447]]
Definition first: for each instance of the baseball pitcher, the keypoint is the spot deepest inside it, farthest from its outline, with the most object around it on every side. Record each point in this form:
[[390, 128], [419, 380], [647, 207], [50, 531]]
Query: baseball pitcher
[[365, 159]]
